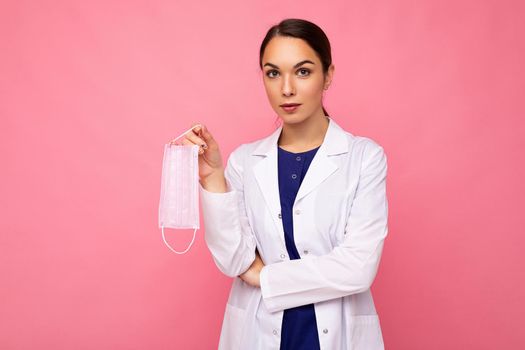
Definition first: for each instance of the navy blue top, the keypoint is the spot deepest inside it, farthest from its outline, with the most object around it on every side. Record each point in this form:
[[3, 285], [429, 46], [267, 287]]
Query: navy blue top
[[299, 327]]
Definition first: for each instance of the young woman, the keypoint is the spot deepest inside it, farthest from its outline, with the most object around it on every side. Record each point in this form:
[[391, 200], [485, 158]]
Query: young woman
[[299, 217]]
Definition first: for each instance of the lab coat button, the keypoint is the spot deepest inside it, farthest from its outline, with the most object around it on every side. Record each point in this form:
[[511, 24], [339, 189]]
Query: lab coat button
[[325, 331], [306, 251], [283, 256], [297, 212], [275, 331], [280, 215]]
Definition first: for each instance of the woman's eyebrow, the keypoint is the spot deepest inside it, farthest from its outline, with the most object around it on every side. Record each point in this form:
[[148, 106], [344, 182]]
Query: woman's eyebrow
[[297, 65]]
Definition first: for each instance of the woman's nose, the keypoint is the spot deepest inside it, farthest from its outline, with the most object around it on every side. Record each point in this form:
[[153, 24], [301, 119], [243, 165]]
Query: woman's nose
[[287, 86]]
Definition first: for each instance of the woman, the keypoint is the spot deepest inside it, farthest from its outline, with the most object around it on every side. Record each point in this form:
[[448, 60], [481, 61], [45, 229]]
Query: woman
[[298, 218]]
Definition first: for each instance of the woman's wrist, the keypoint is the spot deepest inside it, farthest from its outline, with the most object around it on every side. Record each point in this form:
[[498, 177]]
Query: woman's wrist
[[215, 182]]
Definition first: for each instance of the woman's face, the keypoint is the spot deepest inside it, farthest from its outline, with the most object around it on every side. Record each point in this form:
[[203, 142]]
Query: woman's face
[[292, 73]]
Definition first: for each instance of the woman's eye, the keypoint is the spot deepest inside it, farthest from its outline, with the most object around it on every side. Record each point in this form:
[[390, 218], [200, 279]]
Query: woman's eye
[[270, 72], [304, 70]]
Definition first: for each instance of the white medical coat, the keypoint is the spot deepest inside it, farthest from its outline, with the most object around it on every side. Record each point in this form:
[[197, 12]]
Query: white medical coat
[[340, 224]]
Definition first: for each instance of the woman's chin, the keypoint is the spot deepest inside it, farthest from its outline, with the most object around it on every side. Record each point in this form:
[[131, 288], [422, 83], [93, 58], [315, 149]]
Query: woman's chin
[[291, 117]]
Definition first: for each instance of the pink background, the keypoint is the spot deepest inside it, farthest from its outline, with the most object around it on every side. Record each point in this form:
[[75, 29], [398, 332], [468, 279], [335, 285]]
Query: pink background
[[91, 91]]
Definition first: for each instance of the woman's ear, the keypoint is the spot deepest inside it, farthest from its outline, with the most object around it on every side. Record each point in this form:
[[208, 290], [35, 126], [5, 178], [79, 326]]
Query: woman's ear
[[329, 76]]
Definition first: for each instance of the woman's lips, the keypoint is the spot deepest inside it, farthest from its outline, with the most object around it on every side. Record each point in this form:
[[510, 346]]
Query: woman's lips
[[290, 109]]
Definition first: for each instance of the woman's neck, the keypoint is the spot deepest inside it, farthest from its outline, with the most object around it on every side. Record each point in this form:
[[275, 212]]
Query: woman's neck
[[303, 136]]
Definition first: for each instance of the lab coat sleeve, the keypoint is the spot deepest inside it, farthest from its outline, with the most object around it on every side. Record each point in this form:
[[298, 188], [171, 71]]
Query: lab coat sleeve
[[351, 266], [228, 234]]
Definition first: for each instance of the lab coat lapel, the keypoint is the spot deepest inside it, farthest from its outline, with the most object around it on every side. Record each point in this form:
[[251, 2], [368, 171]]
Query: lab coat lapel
[[335, 142], [266, 174], [320, 168], [266, 171]]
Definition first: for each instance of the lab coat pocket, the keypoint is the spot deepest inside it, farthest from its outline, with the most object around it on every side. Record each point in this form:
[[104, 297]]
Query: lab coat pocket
[[232, 328], [365, 333]]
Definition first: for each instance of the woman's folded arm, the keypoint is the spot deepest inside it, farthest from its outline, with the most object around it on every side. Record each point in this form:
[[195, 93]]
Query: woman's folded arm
[[350, 267]]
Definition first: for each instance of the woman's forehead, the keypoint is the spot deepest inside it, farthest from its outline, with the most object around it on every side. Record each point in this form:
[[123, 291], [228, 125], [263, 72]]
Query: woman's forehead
[[287, 52]]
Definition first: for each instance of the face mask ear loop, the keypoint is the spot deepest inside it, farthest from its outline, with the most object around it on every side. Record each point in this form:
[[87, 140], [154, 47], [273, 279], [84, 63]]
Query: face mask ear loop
[[184, 133], [173, 250]]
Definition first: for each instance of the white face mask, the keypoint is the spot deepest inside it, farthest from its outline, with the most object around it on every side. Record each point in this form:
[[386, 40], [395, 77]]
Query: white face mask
[[179, 192]]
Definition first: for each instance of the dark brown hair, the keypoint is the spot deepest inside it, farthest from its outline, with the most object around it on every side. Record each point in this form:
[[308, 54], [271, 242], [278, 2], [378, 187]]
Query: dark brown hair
[[301, 29]]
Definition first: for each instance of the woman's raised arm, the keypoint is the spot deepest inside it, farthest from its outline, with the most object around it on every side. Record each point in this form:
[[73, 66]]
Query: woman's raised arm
[[228, 234]]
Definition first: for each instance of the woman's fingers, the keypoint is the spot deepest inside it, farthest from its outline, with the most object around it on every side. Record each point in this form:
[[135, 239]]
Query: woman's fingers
[[190, 135], [187, 142], [198, 135], [203, 132]]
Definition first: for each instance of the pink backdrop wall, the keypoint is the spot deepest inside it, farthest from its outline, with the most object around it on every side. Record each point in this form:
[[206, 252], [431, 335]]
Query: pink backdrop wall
[[90, 91]]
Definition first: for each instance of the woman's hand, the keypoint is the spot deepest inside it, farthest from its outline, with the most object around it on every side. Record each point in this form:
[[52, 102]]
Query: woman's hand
[[211, 169], [252, 275]]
